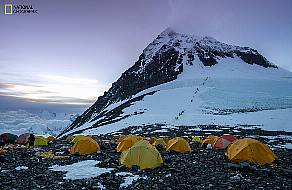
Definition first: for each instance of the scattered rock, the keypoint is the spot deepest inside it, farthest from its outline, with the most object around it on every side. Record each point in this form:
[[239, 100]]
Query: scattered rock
[[201, 169]]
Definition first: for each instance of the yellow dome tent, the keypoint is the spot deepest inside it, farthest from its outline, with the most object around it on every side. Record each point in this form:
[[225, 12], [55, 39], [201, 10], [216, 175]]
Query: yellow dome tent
[[141, 154], [51, 138], [197, 139], [78, 138], [127, 143], [211, 139], [40, 141], [121, 137], [85, 146], [138, 137], [178, 144], [250, 150], [159, 141]]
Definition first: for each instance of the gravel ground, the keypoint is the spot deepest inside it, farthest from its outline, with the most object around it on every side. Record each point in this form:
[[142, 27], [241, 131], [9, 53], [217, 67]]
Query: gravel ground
[[201, 169]]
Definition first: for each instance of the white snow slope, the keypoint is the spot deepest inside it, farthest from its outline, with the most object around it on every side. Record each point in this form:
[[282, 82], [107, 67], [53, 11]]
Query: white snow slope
[[199, 91], [231, 92]]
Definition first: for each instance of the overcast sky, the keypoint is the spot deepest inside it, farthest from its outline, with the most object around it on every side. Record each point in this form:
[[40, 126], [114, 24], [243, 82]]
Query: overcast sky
[[74, 49]]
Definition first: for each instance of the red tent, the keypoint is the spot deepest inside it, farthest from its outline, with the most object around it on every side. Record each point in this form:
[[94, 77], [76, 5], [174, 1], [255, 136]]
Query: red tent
[[223, 141], [8, 138], [23, 139]]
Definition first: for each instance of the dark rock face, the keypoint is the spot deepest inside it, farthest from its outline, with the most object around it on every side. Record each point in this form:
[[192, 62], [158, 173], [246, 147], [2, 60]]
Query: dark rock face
[[159, 70], [161, 62], [209, 56], [254, 58]]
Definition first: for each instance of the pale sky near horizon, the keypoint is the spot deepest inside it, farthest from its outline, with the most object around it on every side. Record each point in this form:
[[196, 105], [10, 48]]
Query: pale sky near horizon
[[73, 50]]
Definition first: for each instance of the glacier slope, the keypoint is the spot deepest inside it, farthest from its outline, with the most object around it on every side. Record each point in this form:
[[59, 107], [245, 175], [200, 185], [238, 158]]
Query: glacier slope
[[228, 93]]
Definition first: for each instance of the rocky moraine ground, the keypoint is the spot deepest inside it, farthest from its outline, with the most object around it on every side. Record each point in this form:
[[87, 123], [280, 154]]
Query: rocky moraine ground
[[20, 168]]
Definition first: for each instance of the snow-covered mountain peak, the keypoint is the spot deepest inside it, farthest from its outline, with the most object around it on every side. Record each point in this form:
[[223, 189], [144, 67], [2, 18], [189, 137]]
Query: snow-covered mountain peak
[[171, 33], [207, 48], [168, 32], [190, 41], [181, 72]]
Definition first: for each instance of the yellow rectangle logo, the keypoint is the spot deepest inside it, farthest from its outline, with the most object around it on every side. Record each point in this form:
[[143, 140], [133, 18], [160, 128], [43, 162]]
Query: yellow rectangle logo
[[8, 9]]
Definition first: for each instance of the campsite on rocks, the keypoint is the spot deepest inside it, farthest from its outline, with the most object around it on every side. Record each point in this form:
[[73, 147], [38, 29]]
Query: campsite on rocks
[[178, 163], [146, 95]]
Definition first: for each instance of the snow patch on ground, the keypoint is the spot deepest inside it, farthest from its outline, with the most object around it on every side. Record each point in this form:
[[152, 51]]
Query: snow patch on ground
[[18, 168], [168, 175], [81, 170], [129, 178], [286, 145], [160, 131]]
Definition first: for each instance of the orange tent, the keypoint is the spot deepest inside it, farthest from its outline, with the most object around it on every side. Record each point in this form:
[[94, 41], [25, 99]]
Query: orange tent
[[211, 139], [121, 137], [178, 144], [85, 146], [250, 150], [127, 143], [138, 137]]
